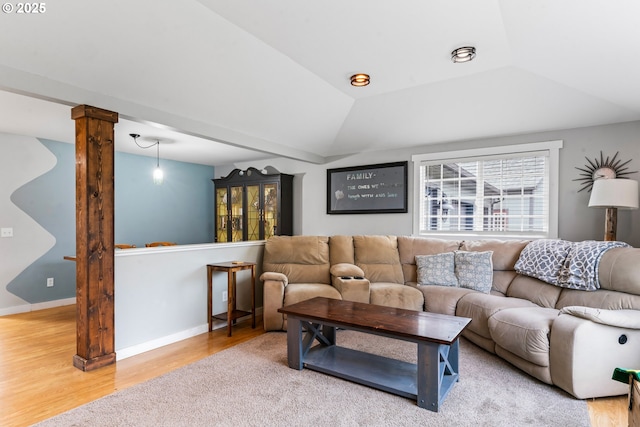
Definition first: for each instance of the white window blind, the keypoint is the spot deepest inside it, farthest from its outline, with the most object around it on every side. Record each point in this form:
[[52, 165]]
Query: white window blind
[[498, 194]]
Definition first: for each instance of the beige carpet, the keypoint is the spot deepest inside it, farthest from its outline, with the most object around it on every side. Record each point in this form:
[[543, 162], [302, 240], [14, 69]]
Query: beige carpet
[[251, 385]]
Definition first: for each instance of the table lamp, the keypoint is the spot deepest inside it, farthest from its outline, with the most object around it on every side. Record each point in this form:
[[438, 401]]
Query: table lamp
[[613, 194]]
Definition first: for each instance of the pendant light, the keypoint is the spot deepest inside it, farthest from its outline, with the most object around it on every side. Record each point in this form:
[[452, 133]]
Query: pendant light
[[158, 174]]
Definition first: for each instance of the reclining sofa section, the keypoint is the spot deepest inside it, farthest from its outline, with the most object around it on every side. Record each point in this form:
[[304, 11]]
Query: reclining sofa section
[[571, 338]]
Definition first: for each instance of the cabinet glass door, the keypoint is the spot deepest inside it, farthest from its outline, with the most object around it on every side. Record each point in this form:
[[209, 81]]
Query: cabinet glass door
[[253, 212], [236, 214], [222, 215], [270, 210]]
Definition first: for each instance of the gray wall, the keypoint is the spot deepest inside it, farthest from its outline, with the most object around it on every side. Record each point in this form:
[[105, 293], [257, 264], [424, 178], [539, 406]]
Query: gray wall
[[37, 200], [576, 221]]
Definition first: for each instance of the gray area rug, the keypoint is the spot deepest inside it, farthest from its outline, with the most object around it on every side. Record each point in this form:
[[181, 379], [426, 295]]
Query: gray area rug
[[252, 385]]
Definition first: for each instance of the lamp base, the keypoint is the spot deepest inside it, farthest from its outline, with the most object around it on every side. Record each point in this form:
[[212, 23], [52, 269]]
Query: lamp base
[[610, 224]]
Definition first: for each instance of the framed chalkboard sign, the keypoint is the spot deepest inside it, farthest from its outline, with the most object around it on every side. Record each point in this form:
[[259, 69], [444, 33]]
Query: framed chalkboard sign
[[380, 188]]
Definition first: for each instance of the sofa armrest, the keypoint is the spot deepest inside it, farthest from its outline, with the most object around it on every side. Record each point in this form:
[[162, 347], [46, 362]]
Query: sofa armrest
[[349, 280], [629, 319], [356, 290], [346, 270], [276, 277], [273, 299], [583, 355]]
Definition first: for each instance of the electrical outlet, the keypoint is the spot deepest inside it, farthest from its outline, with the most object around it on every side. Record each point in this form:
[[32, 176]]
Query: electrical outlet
[[224, 296], [50, 282], [6, 232]]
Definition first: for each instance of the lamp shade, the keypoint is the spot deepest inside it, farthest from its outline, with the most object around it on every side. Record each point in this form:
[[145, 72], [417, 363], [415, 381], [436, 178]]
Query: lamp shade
[[614, 193]]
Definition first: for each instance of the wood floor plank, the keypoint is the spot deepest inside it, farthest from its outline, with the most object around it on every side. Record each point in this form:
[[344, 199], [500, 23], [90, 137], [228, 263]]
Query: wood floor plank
[[38, 380], [37, 377]]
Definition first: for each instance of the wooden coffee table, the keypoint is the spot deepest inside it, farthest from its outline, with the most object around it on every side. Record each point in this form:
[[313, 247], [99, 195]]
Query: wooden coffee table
[[429, 381]]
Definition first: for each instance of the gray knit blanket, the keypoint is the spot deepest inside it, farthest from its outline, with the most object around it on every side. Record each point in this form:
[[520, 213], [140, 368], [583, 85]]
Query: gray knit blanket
[[572, 265]]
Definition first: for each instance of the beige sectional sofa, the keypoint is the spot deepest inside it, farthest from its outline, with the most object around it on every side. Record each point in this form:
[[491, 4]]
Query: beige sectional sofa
[[570, 338]]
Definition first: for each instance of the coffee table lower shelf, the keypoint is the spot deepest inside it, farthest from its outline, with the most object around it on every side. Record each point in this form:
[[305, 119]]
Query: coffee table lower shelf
[[311, 343], [379, 372]]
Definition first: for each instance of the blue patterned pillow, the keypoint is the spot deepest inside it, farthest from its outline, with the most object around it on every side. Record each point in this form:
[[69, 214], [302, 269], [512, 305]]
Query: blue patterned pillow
[[474, 270], [436, 269]]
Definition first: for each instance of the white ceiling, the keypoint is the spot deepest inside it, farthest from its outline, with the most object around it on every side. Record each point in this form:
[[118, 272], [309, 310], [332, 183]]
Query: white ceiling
[[220, 81]]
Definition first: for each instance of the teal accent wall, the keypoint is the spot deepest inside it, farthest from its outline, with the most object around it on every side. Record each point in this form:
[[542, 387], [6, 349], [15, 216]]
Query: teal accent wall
[[179, 210]]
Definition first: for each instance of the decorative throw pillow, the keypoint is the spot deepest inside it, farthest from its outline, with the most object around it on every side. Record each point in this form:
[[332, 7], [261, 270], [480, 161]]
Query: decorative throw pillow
[[436, 269], [474, 270]]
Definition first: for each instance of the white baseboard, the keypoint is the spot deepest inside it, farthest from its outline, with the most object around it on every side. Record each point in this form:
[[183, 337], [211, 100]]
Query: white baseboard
[[173, 338], [133, 350], [160, 342], [37, 306]]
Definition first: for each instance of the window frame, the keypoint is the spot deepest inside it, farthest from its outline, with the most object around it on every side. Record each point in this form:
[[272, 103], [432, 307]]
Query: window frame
[[550, 147]]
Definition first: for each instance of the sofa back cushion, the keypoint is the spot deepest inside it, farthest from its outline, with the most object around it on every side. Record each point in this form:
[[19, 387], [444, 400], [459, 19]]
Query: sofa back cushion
[[504, 258], [303, 259], [534, 290], [341, 250], [619, 270], [410, 246], [378, 257]]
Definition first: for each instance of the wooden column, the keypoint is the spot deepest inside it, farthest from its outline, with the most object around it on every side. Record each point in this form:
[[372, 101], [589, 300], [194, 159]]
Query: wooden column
[[94, 237]]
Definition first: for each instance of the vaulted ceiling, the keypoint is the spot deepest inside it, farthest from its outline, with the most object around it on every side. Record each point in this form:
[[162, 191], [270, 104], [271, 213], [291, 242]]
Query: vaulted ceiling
[[223, 81]]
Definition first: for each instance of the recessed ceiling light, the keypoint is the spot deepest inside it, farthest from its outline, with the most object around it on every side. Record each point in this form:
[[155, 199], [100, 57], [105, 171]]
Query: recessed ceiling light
[[463, 54], [360, 80]]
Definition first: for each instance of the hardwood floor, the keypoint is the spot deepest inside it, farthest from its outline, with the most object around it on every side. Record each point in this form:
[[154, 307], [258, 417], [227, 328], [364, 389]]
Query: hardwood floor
[[38, 380]]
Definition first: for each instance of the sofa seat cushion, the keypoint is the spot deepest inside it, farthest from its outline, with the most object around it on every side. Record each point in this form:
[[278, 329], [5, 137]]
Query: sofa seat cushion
[[524, 332], [395, 295], [296, 292], [442, 299], [480, 307]]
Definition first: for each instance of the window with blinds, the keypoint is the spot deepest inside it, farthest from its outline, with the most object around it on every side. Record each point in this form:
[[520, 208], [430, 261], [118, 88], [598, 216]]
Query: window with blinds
[[498, 194]]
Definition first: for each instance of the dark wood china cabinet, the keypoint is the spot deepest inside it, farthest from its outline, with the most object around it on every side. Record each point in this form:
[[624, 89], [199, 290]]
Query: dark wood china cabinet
[[252, 205]]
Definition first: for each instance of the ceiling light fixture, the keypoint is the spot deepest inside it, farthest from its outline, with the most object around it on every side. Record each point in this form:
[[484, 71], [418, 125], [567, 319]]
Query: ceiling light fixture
[[463, 54], [360, 80], [158, 175]]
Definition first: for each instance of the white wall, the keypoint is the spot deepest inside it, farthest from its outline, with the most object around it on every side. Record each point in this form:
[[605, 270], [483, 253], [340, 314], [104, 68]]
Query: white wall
[[576, 221], [161, 293]]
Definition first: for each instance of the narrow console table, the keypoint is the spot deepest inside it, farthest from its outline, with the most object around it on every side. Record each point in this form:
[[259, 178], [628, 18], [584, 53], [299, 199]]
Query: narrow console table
[[231, 268]]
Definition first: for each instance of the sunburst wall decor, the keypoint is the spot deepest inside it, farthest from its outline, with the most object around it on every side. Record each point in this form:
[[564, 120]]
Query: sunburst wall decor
[[602, 168]]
